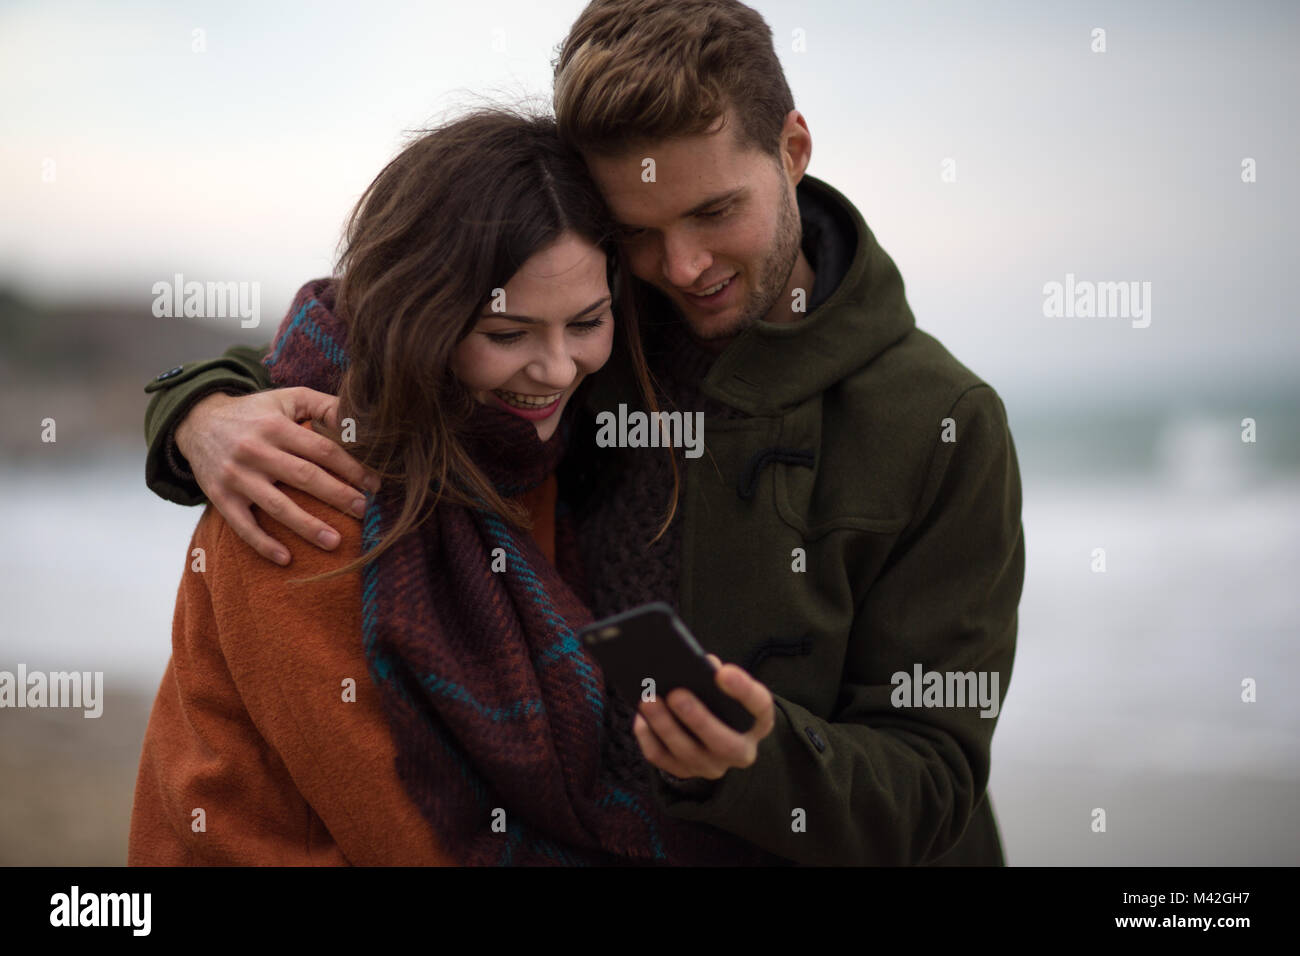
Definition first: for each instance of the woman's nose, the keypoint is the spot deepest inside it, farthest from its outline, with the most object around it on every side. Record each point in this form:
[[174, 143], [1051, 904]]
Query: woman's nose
[[553, 366]]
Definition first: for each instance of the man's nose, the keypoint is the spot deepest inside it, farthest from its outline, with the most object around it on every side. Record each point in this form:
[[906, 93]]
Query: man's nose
[[684, 260]]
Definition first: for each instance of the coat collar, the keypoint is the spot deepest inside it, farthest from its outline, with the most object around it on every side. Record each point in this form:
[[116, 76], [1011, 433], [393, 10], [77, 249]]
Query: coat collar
[[770, 367]]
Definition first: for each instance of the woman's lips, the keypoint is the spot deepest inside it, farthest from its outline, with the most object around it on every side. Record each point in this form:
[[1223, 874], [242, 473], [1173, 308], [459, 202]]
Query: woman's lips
[[533, 413]]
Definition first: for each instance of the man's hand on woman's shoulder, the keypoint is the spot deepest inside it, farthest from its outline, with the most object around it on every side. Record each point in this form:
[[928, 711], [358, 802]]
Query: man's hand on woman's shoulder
[[239, 447]]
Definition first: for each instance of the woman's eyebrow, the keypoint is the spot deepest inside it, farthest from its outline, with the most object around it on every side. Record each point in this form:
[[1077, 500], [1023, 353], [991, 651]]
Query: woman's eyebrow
[[534, 321]]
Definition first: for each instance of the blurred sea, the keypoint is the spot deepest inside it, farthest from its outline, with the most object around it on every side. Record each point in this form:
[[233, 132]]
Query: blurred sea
[[1126, 692]]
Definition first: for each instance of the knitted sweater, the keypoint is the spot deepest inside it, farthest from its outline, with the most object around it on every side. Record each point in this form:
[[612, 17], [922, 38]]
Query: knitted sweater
[[267, 720], [613, 531]]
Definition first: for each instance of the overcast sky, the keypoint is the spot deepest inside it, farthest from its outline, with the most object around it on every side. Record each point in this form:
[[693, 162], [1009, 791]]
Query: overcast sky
[[241, 162]]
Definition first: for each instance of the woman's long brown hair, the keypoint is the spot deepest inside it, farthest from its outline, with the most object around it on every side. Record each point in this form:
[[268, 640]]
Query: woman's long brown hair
[[452, 217]]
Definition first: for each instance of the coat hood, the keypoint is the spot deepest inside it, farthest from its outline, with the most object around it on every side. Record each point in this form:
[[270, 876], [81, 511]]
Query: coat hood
[[769, 366]]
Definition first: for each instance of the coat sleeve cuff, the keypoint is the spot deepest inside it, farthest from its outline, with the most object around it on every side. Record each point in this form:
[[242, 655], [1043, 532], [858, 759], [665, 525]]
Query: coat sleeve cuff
[[694, 788], [722, 796], [173, 393], [166, 471]]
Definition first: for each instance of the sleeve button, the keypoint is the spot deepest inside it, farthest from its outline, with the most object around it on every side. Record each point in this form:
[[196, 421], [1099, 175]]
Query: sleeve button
[[816, 739], [170, 373]]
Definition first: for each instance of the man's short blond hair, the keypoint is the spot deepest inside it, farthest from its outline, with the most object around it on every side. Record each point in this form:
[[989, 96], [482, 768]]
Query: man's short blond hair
[[635, 71]]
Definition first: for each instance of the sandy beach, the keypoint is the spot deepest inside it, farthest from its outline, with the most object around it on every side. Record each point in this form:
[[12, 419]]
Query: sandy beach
[[66, 801]]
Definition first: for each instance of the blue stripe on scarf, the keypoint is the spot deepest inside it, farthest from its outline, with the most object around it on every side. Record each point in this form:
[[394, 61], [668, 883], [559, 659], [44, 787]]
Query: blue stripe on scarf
[[438, 685], [616, 796], [518, 833], [380, 663], [555, 852], [566, 647], [318, 336]]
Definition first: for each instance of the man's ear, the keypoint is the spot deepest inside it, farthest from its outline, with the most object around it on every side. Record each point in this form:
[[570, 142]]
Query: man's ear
[[796, 146]]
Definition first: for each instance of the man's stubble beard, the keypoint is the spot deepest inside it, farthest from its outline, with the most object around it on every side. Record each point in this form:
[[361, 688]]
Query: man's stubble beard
[[775, 272]]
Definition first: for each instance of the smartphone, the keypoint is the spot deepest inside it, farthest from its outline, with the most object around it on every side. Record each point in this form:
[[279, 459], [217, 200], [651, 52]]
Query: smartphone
[[652, 642]]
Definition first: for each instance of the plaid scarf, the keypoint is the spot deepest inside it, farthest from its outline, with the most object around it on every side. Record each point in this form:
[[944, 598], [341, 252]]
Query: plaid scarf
[[496, 708]]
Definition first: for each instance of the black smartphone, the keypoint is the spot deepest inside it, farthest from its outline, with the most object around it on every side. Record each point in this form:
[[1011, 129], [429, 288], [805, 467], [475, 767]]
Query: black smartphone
[[652, 642]]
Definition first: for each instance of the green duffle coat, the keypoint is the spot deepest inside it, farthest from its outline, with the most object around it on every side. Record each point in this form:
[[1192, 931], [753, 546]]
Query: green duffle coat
[[862, 519]]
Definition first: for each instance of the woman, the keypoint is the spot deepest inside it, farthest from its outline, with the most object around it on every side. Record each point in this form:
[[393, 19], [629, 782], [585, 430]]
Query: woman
[[420, 697]]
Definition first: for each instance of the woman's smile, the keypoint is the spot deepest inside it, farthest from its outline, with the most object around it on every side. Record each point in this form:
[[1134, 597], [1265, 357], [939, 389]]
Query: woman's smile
[[532, 407]]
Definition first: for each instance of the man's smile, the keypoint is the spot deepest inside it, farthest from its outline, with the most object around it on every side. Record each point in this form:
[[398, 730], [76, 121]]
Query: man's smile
[[716, 296]]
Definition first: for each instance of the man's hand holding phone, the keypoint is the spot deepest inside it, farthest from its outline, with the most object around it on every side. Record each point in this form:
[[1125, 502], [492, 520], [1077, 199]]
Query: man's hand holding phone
[[714, 714], [664, 729]]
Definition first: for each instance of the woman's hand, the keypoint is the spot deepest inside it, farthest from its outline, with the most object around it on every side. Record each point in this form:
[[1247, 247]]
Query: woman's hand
[[239, 446], [661, 729]]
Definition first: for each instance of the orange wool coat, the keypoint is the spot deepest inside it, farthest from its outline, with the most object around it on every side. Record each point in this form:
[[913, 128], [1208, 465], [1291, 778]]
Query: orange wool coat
[[251, 726]]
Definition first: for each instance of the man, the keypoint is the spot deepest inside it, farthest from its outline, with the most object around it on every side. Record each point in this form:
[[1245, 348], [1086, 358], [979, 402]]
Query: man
[[854, 525]]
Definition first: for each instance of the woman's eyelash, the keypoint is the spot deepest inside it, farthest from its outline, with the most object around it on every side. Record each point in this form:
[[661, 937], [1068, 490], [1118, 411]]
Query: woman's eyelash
[[505, 338]]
